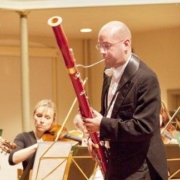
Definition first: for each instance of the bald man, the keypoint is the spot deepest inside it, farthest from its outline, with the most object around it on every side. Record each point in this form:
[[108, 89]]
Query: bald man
[[130, 106]]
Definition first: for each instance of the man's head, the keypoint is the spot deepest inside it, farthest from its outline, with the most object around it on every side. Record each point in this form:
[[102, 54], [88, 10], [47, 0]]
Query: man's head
[[114, 43]]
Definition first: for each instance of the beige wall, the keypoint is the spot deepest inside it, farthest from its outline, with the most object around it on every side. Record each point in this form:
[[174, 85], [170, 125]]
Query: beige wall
[[159, 49]]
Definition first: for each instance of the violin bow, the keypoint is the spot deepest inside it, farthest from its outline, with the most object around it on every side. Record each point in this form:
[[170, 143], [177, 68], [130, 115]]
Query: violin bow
[[170, 120]]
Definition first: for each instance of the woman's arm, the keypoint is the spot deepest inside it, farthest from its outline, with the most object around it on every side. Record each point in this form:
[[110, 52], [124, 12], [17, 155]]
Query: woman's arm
[[23, 154]]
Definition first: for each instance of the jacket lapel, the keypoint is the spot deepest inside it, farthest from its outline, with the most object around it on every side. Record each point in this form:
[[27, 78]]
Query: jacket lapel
[[106, 85], [124, 84]]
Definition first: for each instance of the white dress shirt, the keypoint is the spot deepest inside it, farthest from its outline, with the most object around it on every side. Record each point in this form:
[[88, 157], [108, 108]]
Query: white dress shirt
[[116, 74]]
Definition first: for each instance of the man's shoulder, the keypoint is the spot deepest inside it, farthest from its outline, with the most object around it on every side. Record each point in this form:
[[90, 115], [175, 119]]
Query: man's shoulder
[[142, 64], [145, 69]]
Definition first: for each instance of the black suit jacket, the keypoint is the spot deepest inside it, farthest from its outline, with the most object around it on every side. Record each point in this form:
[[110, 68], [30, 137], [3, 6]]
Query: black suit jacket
[[133, 129]]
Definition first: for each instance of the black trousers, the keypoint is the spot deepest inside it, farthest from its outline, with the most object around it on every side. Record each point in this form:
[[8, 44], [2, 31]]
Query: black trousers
[[145, 172]]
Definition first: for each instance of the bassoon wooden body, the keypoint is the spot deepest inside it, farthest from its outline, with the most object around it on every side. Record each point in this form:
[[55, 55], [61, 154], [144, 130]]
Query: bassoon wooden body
[[84, 106]]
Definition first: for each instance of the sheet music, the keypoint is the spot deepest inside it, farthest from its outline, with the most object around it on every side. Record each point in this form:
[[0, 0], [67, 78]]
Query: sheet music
[[50, 161]]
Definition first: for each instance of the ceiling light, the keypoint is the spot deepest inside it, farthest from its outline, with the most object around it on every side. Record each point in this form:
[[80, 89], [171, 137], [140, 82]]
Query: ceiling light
[[84, 30]]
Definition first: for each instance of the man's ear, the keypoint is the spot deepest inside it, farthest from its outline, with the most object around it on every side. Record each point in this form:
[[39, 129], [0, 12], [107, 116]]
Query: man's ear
[[127, 43]]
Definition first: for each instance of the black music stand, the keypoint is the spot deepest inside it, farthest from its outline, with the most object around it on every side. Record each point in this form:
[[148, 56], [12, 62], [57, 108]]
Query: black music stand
[[173, 161], [81, 165], [1, 130]]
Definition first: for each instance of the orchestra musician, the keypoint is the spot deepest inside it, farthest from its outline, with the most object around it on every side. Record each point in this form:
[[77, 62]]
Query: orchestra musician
[[44, 116], [78, 123], [168, 134], [6, 146], [130, 106]]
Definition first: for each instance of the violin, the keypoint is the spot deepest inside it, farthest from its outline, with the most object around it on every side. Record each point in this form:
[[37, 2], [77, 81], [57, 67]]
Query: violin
[[65, 136], [7, 146], [168, 130], [168, 135]]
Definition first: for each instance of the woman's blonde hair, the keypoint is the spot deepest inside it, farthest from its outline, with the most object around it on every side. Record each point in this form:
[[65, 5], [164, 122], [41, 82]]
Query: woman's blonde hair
[[46, 103], [165, 114]]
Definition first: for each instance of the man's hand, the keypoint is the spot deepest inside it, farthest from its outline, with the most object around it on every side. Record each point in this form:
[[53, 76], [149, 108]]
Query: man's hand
[[93, 124]]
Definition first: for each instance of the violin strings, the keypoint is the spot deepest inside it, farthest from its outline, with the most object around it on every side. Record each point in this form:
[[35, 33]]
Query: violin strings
[[80, 65]]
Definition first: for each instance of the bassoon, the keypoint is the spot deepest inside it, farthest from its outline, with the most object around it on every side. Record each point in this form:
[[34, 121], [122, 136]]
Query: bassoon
[[84, 106]]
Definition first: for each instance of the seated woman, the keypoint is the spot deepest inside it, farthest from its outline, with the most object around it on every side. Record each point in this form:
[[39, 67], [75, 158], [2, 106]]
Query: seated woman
[[168, 134], [44, 115]]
